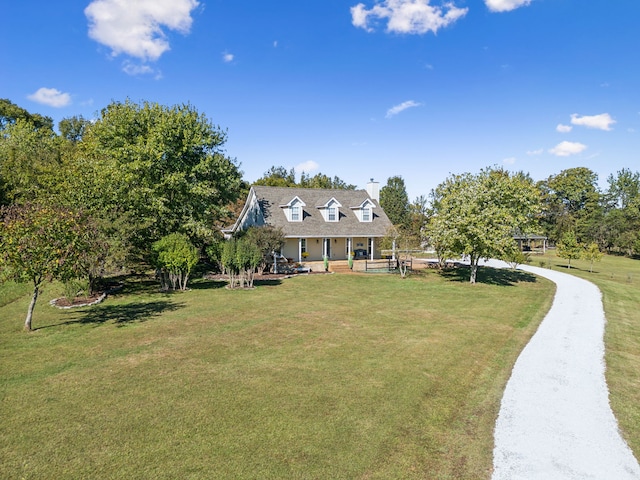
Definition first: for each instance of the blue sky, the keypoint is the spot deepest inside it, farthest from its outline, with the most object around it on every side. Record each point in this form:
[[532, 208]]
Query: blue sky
[[357, 89]]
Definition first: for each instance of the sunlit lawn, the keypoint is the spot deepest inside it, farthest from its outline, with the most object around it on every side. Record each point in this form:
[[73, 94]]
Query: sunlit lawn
[[320, 376], [619, 280]]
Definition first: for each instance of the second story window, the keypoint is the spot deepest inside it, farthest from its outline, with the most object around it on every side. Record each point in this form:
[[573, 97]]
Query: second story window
[[366, 214], [295, 213], [332, 214]]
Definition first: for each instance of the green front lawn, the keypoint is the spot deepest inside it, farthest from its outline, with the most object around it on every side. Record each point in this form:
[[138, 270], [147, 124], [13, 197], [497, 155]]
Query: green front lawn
[[319, 376]]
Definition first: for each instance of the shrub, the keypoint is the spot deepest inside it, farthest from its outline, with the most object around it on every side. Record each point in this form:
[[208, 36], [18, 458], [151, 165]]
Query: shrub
[[174, 256]]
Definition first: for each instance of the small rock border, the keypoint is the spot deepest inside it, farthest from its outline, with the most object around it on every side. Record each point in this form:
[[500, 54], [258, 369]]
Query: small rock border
[[54, 302]]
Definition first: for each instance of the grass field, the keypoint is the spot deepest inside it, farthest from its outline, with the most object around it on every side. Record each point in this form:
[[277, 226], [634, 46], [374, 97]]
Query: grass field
[[319, 376], [619, 280]]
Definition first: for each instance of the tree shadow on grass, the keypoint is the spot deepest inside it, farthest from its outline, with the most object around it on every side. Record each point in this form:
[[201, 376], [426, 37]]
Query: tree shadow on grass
[[265, 282], [206, 284], [490, 276], [121, 315]]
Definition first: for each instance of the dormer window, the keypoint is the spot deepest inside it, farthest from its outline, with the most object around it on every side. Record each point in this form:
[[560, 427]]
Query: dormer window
[[364, 211], [295, 213], [330, 210], [294, 210]]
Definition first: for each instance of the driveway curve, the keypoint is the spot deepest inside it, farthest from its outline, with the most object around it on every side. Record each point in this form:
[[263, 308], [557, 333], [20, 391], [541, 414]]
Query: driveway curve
[[555, 421]]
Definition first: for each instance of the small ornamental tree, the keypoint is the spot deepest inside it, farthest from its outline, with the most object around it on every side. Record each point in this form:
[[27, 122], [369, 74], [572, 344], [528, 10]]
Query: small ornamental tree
[[41, 243], [248, 257], [175, 256], [593, 254], [515, 257], [569, 248], [268, 239], [214, 252], [240, 259]]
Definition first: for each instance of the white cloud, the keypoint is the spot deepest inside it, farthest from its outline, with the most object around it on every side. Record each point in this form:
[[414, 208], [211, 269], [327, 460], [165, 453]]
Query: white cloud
[[407, 16], [505, 5], [564, 128], [402, 107], [539, 151], [51, 97], [307, 167], [137, 28], [565, 149], [509, 161], [131, 68], [227, 57], [601, 122]]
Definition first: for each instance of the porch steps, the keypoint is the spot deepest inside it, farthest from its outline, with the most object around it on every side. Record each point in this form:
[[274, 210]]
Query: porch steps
[[339, 267]]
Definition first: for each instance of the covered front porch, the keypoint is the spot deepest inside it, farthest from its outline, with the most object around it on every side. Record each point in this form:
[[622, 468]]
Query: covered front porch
[[334, 248]]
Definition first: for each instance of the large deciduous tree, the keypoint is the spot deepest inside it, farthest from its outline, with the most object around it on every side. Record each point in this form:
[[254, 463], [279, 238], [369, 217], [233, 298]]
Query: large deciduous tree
[[165, 166], [30, 161], [10, 113], [278, 177], [40, 243], [476, 215], [320, 180], [572, 202], [281, 177], [622, 220]]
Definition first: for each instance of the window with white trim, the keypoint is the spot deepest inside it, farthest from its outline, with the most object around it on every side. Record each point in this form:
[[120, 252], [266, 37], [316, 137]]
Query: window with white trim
[[296, 213], [332, 214], [366, 214]]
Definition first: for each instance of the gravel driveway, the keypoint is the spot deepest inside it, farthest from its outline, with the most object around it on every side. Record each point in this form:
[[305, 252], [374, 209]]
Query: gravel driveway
[[555, 421]]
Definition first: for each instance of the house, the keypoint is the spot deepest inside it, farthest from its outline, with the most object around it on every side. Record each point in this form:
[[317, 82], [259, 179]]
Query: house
[[319, 222]]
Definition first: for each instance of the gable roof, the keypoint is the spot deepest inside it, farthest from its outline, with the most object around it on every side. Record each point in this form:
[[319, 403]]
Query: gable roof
[[273, 200]]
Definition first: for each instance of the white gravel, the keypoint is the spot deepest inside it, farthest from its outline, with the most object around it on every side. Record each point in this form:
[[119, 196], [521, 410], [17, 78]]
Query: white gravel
[[555, 421]]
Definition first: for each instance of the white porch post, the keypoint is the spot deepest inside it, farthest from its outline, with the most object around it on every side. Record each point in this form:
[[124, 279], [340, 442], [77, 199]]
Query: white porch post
[[300, 250], [349, 248], [373, 248]]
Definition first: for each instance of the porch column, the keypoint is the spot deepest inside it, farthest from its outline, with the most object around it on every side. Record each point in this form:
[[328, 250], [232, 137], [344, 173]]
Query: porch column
[[373, 248], [300, 250]]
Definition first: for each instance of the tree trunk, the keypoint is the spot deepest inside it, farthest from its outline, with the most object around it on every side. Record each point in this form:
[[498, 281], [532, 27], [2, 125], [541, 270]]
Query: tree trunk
[[473, 263], [32, 305]]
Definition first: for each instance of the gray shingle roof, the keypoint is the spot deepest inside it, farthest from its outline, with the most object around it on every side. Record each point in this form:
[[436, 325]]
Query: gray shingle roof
[[313, 223]]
